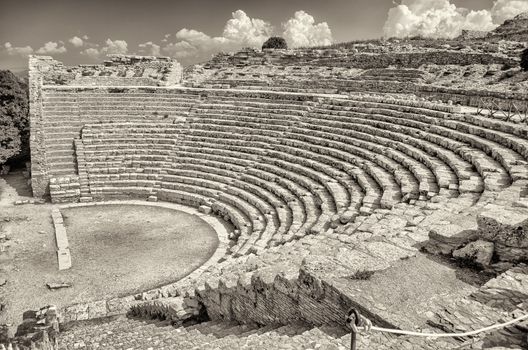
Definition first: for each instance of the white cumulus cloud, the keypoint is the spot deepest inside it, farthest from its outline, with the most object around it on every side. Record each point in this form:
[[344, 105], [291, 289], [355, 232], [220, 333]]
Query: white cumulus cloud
[[76, 41], [301, 30], [52, 48], [111, 47], [239, 31], [443, 19], [243, 30], [506, 9], [91, 52], [17, 50], [115, 47], [149, 48]]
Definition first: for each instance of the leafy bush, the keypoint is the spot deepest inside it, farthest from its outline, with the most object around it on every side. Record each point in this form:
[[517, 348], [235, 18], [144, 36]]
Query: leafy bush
[[524, 60], [275, 42], [14, 122]]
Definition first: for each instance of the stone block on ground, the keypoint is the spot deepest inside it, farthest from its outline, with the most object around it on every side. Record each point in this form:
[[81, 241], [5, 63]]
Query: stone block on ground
[[64, 259], [444, 238], [505, 225], [205, 209], [480, 252], [59, 285]]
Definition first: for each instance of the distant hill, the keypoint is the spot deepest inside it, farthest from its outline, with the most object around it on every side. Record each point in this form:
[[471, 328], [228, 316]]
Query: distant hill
[[515, 29]]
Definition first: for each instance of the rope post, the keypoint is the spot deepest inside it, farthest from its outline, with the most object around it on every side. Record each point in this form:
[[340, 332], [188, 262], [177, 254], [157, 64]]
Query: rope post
[[352, 321]]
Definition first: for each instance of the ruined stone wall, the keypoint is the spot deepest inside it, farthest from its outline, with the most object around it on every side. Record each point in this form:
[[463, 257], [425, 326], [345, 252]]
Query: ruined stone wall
[[354, 59], [119, 70], [506, 101], [65, 189]]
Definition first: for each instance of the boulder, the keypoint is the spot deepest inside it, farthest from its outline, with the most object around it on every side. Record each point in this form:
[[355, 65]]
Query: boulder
[[505, 225], [450, 235], [479, 251]]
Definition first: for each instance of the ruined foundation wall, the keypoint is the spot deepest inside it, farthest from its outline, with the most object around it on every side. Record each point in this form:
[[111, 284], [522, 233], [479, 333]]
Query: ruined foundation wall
[[351, 58], [119, 70]]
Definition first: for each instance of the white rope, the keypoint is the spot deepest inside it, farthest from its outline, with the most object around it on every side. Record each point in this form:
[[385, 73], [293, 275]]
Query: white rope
[[369, 327]]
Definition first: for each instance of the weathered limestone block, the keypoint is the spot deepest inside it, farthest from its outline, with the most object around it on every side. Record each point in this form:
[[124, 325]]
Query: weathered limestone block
[[84, 311], [507, 226], [511, 254], [507, 291], [64, 189], [176, 309], [451, 234], [205, 209], [479, 251]]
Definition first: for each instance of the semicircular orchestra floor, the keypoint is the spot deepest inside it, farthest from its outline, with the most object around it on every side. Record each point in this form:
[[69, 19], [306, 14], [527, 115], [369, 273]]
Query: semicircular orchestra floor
[[119, 250]]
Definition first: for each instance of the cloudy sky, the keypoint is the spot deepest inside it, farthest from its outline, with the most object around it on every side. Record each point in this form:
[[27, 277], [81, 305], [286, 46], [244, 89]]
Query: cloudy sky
[[84, 31]]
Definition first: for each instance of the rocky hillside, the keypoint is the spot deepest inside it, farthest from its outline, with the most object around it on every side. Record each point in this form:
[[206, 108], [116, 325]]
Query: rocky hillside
[[515, 29]]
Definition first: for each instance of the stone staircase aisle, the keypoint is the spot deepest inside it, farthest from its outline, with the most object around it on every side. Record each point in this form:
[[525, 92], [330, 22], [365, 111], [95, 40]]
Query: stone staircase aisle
[[129, 333]]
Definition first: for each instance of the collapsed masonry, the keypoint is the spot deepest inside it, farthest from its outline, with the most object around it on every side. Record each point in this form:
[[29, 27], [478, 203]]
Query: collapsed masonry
[[391, 67]]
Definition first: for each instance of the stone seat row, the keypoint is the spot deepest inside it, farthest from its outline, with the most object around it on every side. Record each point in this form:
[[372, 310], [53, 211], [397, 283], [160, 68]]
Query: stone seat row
[[340, 191], [492, 165], [322, 154], [370, 101], [425, 187], [95, 165], [224, 133], [127, 94], [216, 135], [195, 95], [316, 200], [457, 135], [113, 167]]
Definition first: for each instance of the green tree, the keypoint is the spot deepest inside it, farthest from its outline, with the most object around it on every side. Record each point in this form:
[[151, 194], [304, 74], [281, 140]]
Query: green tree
[[275, 42], [14, 123], [524, 60]]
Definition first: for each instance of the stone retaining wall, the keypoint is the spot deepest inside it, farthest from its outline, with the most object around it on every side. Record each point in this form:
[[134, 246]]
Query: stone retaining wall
[[65, 189], [475, 98], [119, 70]]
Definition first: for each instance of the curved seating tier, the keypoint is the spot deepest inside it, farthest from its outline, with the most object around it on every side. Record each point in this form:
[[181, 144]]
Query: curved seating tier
[[306, 78], [281, 166], [65, 113]]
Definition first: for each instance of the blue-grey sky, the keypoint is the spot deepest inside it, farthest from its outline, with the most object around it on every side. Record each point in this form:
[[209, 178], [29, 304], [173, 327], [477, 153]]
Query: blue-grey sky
[[108, 26]]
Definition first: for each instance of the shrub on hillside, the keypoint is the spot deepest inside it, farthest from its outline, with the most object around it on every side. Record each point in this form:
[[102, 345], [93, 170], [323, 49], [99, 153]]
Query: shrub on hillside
[[14, 123], [275, 42], [524, 60]]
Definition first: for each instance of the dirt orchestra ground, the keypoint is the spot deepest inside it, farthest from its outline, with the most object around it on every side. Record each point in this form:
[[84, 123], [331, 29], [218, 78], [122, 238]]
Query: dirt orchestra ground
[[116, 250]]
